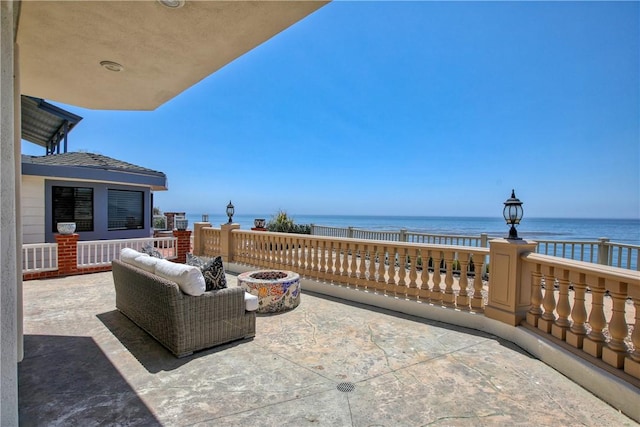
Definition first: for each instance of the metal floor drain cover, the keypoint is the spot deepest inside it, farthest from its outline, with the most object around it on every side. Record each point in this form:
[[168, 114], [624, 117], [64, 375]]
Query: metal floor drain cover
[[346, 387]]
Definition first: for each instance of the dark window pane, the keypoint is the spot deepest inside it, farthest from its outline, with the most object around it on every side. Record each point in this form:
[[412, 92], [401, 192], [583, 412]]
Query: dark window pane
[[126, 209], [73, 204]]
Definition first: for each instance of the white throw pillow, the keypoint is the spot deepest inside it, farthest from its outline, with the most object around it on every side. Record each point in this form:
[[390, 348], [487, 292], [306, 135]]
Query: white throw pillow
[[146, 262], [189, 278], [128, 255]]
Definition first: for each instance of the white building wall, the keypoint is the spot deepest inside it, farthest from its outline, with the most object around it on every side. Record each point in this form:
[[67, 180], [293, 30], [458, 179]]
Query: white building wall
[[33, 209]]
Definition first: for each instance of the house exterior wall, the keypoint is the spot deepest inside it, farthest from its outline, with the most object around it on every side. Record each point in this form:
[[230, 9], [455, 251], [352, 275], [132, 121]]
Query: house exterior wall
[[100, 211], [33, 209]]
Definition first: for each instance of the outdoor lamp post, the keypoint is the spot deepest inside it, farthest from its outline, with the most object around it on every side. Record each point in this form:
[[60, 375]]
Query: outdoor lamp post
[[230, 211], [512, 214]]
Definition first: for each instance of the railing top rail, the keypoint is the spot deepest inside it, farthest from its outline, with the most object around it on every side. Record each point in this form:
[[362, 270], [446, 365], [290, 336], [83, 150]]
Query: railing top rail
[[38, 245], [457, 248], [567, 242], [622, 245], [449, 236], [141, 239], [615, 273]]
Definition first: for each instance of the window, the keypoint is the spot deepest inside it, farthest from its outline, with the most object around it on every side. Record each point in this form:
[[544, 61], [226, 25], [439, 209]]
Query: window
[[126, 209], [73, 204]]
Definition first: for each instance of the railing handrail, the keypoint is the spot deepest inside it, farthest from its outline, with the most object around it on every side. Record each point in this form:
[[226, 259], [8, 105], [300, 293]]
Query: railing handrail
[[455, 248], [605, 271]]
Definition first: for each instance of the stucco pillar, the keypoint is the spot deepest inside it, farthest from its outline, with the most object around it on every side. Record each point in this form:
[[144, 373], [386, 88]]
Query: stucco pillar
[[226, 241], [9, 287], [198, 238], [509, 290]]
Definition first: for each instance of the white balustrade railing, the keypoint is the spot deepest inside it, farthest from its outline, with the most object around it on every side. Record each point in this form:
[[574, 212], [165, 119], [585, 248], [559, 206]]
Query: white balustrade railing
[[38, 257], [102, 252]]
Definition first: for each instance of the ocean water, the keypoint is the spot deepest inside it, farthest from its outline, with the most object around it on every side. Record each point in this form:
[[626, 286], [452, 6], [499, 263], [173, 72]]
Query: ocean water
[[617, 230]]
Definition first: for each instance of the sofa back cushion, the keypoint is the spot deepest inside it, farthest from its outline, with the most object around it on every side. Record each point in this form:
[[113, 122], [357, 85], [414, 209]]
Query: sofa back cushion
[[146, 262], [127, 255], [188, 278]]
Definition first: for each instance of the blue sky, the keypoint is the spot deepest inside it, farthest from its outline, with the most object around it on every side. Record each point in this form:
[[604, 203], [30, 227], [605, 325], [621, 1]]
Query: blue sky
[[405, 108]]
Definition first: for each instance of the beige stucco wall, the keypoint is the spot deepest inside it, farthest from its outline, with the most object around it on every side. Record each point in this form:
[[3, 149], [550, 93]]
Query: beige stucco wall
[[32, 209]]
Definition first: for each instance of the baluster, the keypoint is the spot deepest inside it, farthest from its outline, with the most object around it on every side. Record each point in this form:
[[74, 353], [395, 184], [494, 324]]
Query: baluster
[[353, 269], [412, 292], [258, 256], [362, 270], [329, 274], [401, 288], [635, 335], [578, 330], [345, 263], [382, 287], [338, 260], [462, 301], [391, 280], [562, 324], [436, 291], [302, 251], [477, 300], [273, 247], [549, 301], [371, 280], [595, 338], [297, 255], [616, 350], [317, 268], [424, 293], [448, 298], [322, 266], [535, 311], [308, 248], [276, 252], [282, 252]]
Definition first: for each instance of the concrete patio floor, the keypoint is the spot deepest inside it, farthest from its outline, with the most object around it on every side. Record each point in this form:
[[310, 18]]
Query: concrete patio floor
[[326, 363]]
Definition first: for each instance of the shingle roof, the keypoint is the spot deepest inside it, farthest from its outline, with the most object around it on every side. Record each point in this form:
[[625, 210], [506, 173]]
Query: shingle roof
[[95, 167], [88, 160]]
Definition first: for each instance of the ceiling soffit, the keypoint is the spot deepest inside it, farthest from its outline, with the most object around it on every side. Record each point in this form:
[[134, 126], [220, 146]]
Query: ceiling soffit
[[163, 51]]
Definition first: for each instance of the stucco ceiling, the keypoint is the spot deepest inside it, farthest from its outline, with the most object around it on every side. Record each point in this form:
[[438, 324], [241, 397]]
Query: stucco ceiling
[[163, 51]]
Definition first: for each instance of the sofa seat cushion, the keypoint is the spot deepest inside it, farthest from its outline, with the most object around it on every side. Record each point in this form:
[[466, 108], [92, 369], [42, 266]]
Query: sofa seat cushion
[[250, 302], [189, 278]]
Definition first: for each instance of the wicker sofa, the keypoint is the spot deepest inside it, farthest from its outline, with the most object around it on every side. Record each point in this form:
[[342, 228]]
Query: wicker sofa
[[181, 322]]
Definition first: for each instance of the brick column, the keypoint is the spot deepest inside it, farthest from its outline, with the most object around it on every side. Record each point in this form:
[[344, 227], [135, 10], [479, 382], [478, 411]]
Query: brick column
[[184, 244], [67, 253]]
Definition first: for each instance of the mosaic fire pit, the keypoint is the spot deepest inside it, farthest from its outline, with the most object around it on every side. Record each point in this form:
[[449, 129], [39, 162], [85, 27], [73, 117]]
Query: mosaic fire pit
[[277, 290]]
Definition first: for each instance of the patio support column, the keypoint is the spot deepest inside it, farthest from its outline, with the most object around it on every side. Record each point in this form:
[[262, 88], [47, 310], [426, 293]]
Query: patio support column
[[510, 285], [11, 271], [226, 241]]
